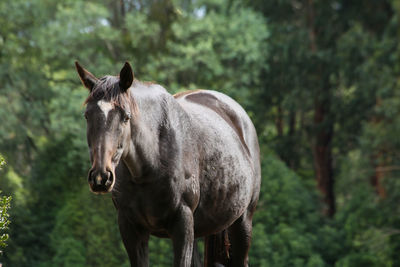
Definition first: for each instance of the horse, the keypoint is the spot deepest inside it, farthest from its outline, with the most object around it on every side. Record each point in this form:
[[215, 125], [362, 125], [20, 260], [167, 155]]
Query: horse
[[181, 166]]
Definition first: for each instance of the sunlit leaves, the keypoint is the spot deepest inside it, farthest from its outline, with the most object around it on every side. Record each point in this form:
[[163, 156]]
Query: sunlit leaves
[[4, 215]]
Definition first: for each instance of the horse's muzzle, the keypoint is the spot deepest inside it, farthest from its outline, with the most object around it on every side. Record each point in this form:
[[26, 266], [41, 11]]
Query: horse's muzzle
[[100, 181]]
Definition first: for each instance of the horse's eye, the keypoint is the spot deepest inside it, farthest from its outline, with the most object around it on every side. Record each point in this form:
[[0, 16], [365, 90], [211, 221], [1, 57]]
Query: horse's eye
[[127, 117]]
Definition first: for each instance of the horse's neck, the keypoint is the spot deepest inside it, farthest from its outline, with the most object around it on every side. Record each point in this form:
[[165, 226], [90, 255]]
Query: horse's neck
[[155, 134]]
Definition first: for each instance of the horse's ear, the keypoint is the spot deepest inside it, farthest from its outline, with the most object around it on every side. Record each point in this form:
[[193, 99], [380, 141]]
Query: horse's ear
[[88, 79], [126, 77]]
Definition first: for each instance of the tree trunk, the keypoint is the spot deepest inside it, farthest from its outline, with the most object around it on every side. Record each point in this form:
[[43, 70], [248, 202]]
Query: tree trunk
[[378, 176], [322, 153], [323, 127], [292, 123], [279, 121], [377, 159], [293, 161]]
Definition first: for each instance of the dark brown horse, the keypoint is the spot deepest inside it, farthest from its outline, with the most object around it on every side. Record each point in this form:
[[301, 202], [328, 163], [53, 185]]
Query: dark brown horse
[[182, 166]]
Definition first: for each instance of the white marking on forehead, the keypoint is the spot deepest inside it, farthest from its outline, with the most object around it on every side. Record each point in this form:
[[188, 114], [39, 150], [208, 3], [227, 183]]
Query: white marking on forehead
[[104, 106]]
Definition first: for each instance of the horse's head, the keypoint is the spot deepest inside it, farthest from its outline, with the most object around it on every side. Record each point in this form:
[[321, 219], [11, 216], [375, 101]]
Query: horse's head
[[108, 114]]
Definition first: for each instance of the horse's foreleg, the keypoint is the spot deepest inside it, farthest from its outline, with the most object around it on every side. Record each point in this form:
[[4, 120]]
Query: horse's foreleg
[[135, 241], [182, 233], [196, 258]]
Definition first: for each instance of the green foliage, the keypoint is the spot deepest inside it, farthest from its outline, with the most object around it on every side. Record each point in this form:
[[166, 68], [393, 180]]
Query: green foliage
[[4, 216], [86, 223], [160, 252], [367, 224], [4, 219], [212, 54], [287, 219]]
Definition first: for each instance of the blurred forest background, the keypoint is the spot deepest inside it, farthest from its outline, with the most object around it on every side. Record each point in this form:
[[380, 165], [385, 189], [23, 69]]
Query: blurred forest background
[[320, 79]]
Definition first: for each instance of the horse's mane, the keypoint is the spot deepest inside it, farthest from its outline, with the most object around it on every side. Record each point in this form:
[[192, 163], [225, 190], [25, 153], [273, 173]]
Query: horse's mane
[[107, 88]]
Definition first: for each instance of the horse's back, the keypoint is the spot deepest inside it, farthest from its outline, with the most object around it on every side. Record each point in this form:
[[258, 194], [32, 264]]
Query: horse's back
[[231, 112]]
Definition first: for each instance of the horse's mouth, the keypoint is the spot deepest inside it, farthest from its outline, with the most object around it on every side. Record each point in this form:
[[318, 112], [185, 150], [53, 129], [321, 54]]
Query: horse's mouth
[[100, 189]]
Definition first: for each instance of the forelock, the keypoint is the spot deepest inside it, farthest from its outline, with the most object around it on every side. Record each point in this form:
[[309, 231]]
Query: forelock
[[107, 89]]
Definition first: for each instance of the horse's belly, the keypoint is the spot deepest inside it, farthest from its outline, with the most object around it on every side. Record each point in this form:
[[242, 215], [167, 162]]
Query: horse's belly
[[225, 194]]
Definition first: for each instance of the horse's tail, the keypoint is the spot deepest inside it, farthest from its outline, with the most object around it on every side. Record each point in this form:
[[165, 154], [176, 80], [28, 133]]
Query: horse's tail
[[217, 249]]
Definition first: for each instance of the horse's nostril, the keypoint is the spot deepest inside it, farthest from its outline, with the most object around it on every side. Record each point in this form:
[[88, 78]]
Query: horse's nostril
[[90, 177], [110, 178]]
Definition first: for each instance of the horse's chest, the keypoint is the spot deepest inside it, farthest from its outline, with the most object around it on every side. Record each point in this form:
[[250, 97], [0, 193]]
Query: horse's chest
[[152, 205]]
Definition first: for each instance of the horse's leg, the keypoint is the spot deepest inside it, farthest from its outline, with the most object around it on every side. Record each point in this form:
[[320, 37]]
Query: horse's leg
[[196, 259], [216, 249], [135, 241], [182, 233], [240, 237], [209, 251]]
